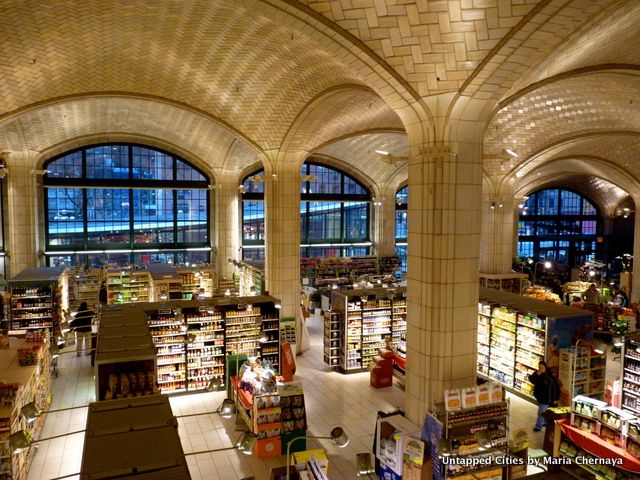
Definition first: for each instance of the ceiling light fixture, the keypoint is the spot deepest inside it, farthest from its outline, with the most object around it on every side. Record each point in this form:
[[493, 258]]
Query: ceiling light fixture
[[511, 153]]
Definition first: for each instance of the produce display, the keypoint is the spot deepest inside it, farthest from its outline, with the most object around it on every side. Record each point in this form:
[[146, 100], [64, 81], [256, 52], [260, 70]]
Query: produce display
[[543, 294]]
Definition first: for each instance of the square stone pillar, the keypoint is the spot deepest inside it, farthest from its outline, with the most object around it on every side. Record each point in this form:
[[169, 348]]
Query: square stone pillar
[[384, 225], [282, 235], [635, 280], [442, 277], [499, 215], [227, 210], [22, 221]]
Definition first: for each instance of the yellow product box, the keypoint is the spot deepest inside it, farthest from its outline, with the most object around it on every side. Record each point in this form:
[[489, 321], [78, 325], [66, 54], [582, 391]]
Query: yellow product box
[[299, 459]]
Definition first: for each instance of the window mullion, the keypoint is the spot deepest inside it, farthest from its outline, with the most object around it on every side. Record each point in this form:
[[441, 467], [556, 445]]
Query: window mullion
[[131, 218], [175, 218], [85, 217], [342, 220]]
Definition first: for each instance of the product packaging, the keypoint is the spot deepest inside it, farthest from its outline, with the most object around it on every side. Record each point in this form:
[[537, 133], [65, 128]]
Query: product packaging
[[452, 401]]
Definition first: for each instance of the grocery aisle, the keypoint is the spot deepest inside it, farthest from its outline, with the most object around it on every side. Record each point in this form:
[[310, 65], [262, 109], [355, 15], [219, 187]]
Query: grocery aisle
[[331, 399]]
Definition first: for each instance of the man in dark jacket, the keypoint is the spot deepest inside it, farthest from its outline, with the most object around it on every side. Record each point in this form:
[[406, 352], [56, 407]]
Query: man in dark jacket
[[546, 391], [81, 324]]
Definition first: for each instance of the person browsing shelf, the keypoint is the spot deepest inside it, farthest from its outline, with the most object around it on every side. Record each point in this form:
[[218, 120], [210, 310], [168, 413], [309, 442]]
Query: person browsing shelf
[[546, 391], [591, 294], [81, 325], [102, 294]]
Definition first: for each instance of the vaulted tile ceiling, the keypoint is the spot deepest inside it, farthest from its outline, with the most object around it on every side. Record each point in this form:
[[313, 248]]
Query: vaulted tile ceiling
[[223, 81]]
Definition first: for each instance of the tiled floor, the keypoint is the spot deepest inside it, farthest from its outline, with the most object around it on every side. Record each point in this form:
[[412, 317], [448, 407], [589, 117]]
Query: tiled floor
[[331, 399]]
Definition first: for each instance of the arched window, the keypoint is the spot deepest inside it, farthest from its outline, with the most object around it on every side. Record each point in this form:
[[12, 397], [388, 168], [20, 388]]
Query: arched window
[[253, 216], [334, 214], [125, 203], [558, 224], [402, 202]]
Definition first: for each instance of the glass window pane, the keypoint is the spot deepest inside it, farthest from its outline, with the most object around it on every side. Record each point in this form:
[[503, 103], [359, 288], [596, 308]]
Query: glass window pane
[[108, 161], [153, 216], [588, 208], [60, 260], [184, 257], [324, 221], [529, 205], [351, 187], [253, 220], [401, 253], [253, 183], [151, 164], [147, 258], [569, 227], [69, 166], [401, 224], [325, 252], [108, 216], [356, 221], [402, 197], [589, 227], [571, 203], [186, 173], [546, 228], [327, 181], [525, 249], [548, 202], [253, 254], [65, 210], [192, 216], [354, 251], [118, 259]]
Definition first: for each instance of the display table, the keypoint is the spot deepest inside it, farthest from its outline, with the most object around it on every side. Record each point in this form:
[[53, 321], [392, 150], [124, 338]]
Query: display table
[[597, 446]]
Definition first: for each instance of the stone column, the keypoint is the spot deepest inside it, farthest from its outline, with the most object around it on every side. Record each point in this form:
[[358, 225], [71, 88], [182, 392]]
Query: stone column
[[384, 235], [635, 280], [444, 241], [282, 232], [21, 235], [227, 215], [499, 210]]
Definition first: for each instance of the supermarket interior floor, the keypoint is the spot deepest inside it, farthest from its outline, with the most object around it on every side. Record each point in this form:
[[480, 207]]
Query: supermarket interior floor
[[331, 399]]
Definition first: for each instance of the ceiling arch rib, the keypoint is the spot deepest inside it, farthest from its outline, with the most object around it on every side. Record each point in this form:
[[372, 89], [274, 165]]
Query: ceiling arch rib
[[617, 149], [609, 36], [339, 112], [42, 129], [560, 111], [252, 64], [360, 153]]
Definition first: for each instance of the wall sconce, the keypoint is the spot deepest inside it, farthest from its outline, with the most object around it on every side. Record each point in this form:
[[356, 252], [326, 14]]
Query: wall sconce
[[495, 205]]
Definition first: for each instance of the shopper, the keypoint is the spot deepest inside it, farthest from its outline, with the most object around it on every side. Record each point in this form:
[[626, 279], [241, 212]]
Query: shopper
[[102, 296], [591, 294], [620, 299], [81, 324], [546, 391]]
